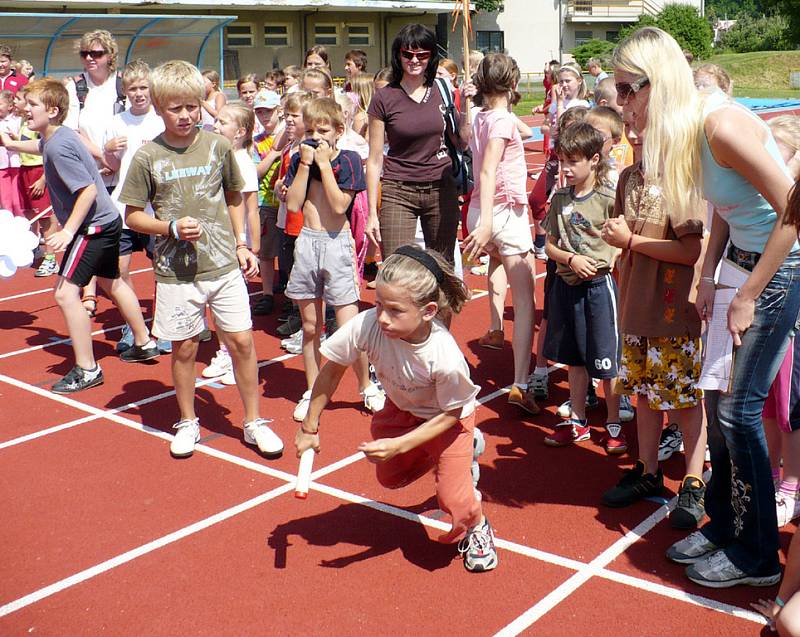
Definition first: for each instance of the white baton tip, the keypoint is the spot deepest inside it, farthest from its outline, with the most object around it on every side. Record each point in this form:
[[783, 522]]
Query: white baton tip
[[304, 474]]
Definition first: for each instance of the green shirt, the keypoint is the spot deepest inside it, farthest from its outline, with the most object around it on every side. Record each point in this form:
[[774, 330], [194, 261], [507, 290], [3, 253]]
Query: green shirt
[[576, 224], [181, 182]]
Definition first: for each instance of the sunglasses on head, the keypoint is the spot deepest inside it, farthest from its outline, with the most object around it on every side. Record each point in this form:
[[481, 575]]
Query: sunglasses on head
[[626, 89], [92, 54], [422, 56]]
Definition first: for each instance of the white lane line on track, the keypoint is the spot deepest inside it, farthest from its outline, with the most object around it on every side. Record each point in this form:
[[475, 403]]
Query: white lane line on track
[[597, 566], [42, 291]]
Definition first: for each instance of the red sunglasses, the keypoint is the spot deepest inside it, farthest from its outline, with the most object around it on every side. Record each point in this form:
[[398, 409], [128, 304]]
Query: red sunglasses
[[422, 56]]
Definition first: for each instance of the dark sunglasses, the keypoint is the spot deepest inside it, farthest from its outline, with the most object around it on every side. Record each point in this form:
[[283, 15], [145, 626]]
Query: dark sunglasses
[[626, 89], [93, 54], [422, 56]]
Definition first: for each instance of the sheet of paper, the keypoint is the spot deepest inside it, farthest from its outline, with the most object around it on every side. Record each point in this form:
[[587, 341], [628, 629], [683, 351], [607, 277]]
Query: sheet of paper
[[718, 359]]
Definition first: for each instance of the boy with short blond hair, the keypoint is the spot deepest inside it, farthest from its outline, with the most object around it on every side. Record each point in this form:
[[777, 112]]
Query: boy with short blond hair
[[323, 181], [191, 179], [90, 230]]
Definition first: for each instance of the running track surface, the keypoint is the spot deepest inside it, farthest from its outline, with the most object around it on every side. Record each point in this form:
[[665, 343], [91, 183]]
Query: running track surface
[[103, 532]]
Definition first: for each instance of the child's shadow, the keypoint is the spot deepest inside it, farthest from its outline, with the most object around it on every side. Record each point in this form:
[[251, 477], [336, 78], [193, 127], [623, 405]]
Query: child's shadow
[[358, 525]]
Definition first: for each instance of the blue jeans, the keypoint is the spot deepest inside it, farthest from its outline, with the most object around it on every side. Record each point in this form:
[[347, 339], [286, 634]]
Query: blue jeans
[[740, 499]]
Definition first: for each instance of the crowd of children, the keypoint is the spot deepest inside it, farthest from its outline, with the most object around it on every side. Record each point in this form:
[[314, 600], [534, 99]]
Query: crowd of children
[[276, 183]]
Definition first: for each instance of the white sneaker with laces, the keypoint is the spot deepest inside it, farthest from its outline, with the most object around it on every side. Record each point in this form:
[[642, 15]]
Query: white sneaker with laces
[[258, 433], [374, 397], [301, 409], [293, 340], [219, 366], [478, 549], [670, 442], [227, 378], [787, 508], [182, 445], [565, 409], [717, 571]]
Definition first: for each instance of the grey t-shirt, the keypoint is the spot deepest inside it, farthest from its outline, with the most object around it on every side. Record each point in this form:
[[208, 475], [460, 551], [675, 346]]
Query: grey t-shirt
[[181, 182], [68, 169]]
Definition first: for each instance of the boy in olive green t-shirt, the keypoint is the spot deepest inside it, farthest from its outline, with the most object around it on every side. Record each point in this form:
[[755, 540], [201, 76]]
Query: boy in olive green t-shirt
[[191, 179]]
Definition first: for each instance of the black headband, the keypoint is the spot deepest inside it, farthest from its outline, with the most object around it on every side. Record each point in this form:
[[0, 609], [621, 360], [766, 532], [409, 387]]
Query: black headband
[[425, 259]]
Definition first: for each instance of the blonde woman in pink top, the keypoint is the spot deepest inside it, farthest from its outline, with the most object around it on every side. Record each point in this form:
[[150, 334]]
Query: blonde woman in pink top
[[498, 215]]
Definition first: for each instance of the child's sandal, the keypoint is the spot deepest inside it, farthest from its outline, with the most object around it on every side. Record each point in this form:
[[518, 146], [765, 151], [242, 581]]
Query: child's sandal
[[91, 310]]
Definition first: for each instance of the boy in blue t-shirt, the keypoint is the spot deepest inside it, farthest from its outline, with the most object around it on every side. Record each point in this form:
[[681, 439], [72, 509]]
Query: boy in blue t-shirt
[[90, 234]]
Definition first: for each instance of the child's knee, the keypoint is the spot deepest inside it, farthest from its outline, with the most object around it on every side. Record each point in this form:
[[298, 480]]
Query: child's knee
[[183, 351], [390, 479], [66, 294], [240, 343]]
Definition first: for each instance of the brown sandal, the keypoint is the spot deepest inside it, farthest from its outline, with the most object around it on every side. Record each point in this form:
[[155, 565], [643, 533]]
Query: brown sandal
[[92, 312]]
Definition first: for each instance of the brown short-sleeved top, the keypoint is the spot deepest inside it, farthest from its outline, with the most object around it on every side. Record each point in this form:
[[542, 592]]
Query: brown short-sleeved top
[[653, 295], [415, 132], [188, 181]]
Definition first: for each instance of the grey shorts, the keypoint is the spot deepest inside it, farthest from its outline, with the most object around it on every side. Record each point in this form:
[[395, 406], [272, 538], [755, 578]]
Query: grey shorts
[[270, 234], [324, 268]]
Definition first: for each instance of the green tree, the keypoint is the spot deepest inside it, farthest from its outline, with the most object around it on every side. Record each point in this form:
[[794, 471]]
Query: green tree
[[764, 33], [688, 27], [643, 21], [488, 5], [732, 9], [790, 9], [593, 49]]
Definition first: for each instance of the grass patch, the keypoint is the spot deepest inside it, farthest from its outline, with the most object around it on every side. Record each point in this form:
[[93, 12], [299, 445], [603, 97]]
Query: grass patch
[[761, 73]]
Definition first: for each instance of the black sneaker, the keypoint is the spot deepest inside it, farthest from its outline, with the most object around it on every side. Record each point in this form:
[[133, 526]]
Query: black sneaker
[[370, 271], [634, 485], [291, 326], [286, 311], [140, 353], [691, 504], [78, 379], [264, 305]]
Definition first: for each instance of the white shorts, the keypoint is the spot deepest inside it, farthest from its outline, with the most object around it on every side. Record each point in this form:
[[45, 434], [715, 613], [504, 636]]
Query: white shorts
[[511, 230], [181, 307]]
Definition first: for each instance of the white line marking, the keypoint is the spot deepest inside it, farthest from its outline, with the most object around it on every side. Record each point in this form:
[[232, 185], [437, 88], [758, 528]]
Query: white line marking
[[596, 566], [568, 587], [34, 292], [139, 551]]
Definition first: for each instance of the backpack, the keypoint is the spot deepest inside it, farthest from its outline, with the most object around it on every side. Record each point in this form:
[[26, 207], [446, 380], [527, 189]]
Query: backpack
[[82, 90], [461, 159]]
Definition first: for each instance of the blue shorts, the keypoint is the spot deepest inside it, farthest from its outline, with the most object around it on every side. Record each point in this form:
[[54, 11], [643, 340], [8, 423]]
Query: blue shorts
[[131, 241], [582, 326]]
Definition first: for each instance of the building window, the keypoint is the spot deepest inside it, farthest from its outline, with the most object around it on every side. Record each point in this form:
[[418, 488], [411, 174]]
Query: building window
[[359, 35], [326, 34], [239, 35], [612, 36], [277, 35], [489, 40], [582, 37]]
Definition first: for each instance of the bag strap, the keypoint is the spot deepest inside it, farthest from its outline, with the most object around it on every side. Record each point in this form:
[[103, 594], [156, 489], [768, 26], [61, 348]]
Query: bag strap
[[449, 113]]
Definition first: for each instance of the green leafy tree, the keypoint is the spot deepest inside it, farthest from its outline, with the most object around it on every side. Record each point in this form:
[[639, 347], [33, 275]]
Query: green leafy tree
[[733, 9], [643, 21], [488, 5], [764, 33], [688, 27], [790, 9], [593, 49]]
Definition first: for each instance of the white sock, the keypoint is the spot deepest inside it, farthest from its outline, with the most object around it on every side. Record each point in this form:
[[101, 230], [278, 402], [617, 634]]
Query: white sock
[[522, 386]]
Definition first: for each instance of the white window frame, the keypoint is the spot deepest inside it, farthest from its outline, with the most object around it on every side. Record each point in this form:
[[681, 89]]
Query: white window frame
[[250, 25], [336, 34], [286, 25], [369, 34]]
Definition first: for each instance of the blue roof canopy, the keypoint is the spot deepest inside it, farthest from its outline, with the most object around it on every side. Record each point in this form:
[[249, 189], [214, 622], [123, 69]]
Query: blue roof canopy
[[48, 39]]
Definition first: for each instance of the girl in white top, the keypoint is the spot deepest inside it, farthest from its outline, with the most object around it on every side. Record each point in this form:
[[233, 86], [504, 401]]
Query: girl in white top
[[428, 420], [215, 99], [498, 214], [235, 123]]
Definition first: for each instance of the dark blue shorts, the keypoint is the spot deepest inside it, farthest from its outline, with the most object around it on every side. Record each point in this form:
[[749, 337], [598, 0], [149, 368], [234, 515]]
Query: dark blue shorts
[[131, 241], [582, 326], [549, 277]]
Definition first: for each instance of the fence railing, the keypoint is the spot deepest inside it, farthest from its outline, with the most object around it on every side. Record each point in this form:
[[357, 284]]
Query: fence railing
[[611, 8]]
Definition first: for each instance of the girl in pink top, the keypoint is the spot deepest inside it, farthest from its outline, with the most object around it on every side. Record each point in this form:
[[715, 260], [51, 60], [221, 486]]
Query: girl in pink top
[[9, 159], [498, 215]]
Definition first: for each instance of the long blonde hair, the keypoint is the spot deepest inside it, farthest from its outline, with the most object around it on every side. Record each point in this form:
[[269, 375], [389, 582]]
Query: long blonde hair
[[671, 150]]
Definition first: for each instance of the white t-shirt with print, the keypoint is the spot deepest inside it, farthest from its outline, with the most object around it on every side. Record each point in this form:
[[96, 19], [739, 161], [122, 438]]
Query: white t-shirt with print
[[424, 379], [138, 129]]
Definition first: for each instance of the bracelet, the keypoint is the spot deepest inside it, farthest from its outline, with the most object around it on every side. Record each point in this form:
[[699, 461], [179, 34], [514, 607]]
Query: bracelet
[[779, 602], [569, 261], [307, 432], [242, 245], [173, 229]]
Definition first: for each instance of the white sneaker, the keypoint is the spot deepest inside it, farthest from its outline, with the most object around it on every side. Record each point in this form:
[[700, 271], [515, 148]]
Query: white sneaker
[[540, 253], [182, 445], [374, 397], [565, 409], [301, 409], [293, 340], [626, 412], [221, 364], [787, 507], [258, 433], [227, 378]]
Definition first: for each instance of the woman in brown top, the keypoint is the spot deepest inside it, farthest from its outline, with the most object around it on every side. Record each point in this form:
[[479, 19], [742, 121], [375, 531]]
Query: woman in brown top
[[417, 180]]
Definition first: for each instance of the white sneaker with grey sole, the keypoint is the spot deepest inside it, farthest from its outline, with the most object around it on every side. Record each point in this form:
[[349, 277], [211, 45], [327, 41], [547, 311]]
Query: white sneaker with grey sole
[[182, 445]]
